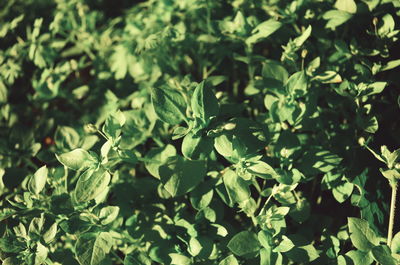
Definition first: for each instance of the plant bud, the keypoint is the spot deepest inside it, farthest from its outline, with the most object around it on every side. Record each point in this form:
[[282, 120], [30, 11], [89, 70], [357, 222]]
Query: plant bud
[[90, 128]]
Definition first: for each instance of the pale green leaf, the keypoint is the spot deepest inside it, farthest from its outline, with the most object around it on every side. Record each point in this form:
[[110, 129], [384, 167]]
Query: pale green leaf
[[38, 180], [90, 184], [78, 159], [362, 236], [92, 248]]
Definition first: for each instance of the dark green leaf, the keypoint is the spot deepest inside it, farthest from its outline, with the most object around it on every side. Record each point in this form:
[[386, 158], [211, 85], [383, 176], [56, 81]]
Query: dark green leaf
[[244, 243]]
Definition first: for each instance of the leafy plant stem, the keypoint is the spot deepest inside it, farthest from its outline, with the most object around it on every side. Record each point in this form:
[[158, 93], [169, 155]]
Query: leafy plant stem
[[249, 65], [392, 212]]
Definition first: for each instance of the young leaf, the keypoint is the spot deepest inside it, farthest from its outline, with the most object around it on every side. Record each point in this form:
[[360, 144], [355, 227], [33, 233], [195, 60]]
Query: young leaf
[[78, 159], [303, 37]]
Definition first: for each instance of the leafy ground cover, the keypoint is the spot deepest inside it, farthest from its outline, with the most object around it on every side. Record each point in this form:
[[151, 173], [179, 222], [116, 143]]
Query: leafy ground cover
[[199, 132]]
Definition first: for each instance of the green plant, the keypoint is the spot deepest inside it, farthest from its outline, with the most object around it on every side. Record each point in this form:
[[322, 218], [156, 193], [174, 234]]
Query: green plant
[[198, 132]]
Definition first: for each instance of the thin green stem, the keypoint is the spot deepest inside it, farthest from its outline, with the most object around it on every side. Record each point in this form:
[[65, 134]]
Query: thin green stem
[[391, 216]]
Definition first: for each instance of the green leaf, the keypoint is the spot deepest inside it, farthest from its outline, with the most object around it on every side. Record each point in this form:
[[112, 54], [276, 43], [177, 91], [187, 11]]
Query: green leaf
[[78, 159], [40, 254], [299, 41], [244, 243], [263, 30], [12, 244], [390, 65], [346, 5], [267, 257], [359, 257], [383, 255], [178, 259], [230, 260], [336, 18], [274, 70], [50, 233], [90, 184], [38, 180], [262, 170], [265, 239], [108, 214], [156, 157], [362, 236], [201, 197], [303, 254], [374, 88], [180, 175], [113, 124], [12, 261], [92, 248], [297, 84], [238, 190], [342, 191], [36, 227], [169, 105], [66, 137], [316, 160], [135, 258], [395, 245], [387, 26], [224, 146], [197, 147], [328, 77], [204, 103], [284, 246], [300, 211]]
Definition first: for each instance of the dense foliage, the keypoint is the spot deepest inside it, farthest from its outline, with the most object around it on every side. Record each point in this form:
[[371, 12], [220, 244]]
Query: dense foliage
[[199, 132]]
